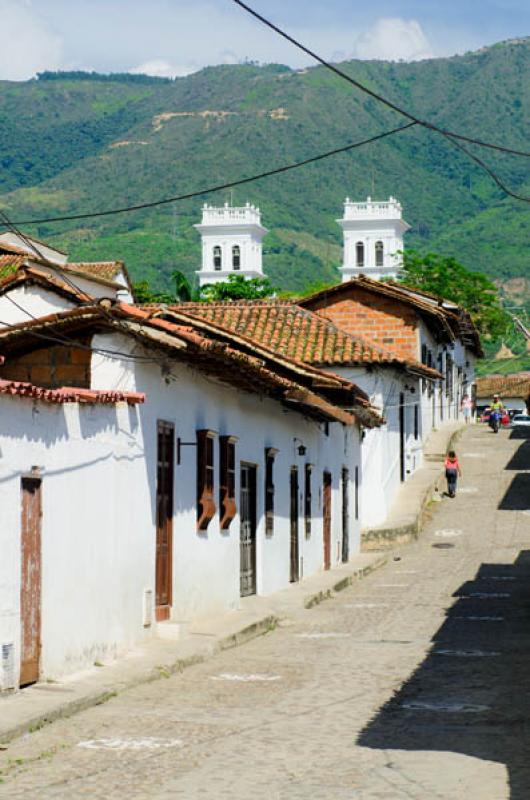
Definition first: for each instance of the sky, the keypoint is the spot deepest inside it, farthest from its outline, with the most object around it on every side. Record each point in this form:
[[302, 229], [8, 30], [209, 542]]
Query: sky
[[178, 37]]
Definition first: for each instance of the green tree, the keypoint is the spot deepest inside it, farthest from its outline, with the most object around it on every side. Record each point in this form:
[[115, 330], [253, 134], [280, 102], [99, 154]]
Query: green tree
[[447, 278], [183, 291], [237, 287]]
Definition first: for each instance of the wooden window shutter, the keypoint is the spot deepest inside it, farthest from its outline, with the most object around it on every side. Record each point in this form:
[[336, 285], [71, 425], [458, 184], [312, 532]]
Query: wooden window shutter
[[307, 500], [270, 455], [205, 479], [227, 480]]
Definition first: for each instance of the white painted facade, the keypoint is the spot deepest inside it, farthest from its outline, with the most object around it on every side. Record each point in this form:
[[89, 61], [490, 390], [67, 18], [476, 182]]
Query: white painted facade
[[99, 471], [383, 463], [373, 238], [25, 301], [231, 243]]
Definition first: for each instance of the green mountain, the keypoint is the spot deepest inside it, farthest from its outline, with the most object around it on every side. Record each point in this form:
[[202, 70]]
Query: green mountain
[[77, 142]]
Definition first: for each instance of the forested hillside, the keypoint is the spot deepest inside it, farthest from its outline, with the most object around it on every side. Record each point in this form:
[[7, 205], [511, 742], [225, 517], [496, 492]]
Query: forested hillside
[[73, 142]]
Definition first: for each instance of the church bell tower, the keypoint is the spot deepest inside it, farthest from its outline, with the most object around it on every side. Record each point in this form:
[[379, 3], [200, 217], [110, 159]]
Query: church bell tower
[[373, 238], [231, 243]]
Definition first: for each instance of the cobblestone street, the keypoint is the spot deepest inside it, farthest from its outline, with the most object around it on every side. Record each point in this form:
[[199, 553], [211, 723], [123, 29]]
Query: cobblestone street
[[413, 683]]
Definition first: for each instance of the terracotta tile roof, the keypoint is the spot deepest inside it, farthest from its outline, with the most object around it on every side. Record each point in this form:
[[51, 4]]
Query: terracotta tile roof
[[69, 394], [231, 359], [517, 385], [432, 313], [33, 275], [106, 270], [298, 334], [9, 264]]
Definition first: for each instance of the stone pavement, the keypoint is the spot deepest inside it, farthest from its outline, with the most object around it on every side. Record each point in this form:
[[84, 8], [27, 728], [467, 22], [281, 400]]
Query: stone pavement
[[407, 514], [412, 683], [43, 703]]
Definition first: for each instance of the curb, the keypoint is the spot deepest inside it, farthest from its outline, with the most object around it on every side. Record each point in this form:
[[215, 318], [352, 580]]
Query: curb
[[375, 539], [100, 696], [258, 628], [314, 600]]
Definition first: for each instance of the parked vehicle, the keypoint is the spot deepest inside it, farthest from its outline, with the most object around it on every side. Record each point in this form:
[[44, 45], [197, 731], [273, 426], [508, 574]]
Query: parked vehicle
[[521, 420]]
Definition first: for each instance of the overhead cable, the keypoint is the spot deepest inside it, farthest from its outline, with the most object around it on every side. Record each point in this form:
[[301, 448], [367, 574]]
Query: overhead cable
[[449, 135], [218, 187], [380, 98]]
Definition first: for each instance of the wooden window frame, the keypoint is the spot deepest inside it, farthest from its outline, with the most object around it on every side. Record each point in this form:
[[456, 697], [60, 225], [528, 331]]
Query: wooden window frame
[[227, 481], [360, 254], [217, 258], [308, 500], [205, 478], [270, 456], [236, 257], [379, 250]]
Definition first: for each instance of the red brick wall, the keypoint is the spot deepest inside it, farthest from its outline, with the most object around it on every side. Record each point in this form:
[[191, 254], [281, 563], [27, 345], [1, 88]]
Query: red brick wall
[[389, 323], [50, 367]]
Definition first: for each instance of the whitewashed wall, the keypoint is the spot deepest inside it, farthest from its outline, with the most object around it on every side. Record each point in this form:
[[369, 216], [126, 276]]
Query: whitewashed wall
[[34, 299], [206, 565], [98, 467], [97, 550]]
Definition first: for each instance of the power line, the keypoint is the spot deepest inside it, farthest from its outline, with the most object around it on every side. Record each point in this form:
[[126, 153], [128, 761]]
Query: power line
[[449, 135], [375, 95], [218, 187]]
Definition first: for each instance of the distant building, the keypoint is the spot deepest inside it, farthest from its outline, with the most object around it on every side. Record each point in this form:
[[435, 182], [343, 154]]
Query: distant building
[[231, 243], [373, 238]]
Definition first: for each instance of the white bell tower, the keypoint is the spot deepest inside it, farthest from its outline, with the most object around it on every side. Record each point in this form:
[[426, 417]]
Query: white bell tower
[[231, 243], [373, 238]]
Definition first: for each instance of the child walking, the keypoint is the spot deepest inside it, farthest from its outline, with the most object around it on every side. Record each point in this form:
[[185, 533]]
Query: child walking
[[452, 472]]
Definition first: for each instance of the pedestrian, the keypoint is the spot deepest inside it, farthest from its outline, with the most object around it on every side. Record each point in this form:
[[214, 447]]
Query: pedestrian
[[452, 472], [467, 408]]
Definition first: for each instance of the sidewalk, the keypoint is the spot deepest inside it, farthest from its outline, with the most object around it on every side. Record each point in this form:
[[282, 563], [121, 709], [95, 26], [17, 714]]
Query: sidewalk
[[407, 514], [38, 705]]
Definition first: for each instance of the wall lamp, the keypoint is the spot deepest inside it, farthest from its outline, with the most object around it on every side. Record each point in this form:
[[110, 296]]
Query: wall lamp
[[302, 449]]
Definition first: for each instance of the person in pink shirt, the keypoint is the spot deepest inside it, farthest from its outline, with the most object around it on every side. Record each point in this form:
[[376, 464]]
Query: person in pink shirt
[[452, 472]]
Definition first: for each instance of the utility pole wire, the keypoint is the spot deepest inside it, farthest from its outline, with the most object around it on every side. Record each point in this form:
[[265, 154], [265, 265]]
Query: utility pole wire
[[367, 90], [219, 187], [449, 135]]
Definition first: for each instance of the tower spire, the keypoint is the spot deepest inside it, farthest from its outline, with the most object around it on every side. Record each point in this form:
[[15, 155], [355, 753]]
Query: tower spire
[[373, 238]]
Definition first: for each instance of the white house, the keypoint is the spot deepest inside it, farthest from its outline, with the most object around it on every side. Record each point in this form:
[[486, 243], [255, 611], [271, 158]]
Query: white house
[[154, 469], [419, 330], [373, 238], [394, 384], [36, 279], [231, 243]]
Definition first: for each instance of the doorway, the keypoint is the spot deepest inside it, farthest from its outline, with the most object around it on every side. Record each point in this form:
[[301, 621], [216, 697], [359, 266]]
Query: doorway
[[30, 585], [294, 550], [326, 513], [247, 529], [345, 516], [402, 437], [164, 520]]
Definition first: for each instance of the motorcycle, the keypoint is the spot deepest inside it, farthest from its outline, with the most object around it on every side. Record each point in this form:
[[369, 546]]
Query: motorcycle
[[494, 421]]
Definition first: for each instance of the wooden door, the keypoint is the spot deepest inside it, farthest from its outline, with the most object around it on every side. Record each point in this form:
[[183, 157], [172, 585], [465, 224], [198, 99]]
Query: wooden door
[[345, 516], [294, 572], [402, 436], [164, 519], [326, 513], [247, 521], [30, 586]]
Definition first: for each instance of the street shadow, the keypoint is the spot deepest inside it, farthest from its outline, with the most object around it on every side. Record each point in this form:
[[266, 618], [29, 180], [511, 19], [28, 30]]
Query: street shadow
[[471, 694], [520, 433], [517, 498], [521, 458]]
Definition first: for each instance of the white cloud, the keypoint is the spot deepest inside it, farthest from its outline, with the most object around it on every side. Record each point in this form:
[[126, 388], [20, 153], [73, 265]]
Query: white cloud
[[394, 39], [29, 45], [162, 69]]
